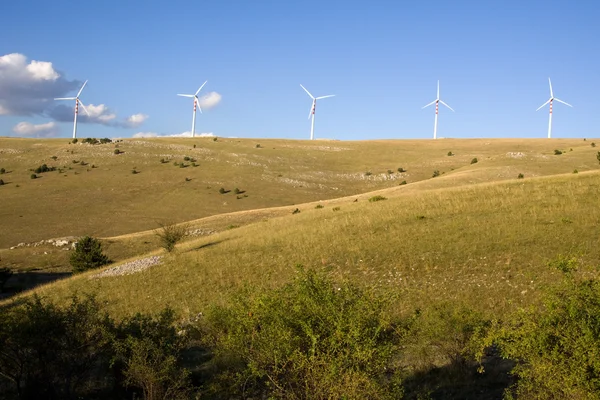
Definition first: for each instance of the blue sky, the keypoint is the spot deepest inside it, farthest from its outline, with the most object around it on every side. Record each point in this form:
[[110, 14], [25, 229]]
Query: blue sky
[[380, 58]]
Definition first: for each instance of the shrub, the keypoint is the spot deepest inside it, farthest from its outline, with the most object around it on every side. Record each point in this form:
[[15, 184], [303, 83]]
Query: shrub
[[182, 165], [557, 152], [555, 343], [54, 158], [188, 179], [389, 171], [258, 146], [194, 146], [420, 217], [318, 206], [186, 158], [117, 151], [598, 157], [237, 191], [105, 140], [575, 171], [521, 176], [450, 154], [435, 173], [134, 171], [368, 173], [377, 198], [170, 234], [402, 183], [74, 141], [311, 339], [593, 144], [401, 169], [33, 176], [474, 160], [222, 191], [336, 208], [2, 171], [1, 182], [87, 255], [214, 139], [44, 168], [296, 211]]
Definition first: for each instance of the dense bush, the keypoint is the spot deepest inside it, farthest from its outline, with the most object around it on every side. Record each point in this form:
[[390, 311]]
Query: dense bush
[[450, 154], [436, 173], [377, 198], [319, 206], [593, 144], [401, 169], [222, 191], [1, 182], [598, 157], [311, 339], [520, 176], [557, 343], [117, 151], [368, 173], [2, 171], [402, 183], [474, 160], [74, 140], [557, 152], [87, 255], [44, 168]]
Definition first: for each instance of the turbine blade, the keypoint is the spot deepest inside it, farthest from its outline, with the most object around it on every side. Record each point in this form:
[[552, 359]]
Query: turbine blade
[[65, 98], [311, 96], [324, 97], [447, 106], [200, 88], [81, 90], [540, 107], [430, 104], [198, 104], [185, 95], [560, 101], [84, 109], [550, 83]]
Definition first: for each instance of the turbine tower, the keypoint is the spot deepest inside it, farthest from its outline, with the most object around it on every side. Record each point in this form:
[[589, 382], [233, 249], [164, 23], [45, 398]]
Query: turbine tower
[[196, 105], [436, 102], [551, 100], [77, 103], [312, 110]]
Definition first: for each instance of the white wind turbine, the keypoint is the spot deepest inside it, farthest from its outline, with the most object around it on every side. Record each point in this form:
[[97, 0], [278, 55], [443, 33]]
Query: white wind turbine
[[551, 100], [77, 103], [312, 110], [196, 104], [436, 102]]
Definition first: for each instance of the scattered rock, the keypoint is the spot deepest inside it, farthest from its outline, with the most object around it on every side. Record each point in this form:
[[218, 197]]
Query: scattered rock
[[131, 267]]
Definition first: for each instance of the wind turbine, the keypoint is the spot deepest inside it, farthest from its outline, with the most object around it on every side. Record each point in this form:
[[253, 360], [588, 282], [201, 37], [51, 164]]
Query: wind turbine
[[436, 102], [552, 98], [77, 103], [196, 104], [312, 110]]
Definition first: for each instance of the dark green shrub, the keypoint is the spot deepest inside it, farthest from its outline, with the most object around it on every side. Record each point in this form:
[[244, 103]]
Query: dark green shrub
[[194, 146], [575, 171], [1, 182], [450, 154], [258, 146], [401, 169], [389, 171], [134, 171], [319, 206], [186, 158], [377, 198], [222, 191], [593, 144], [520, 176], [105, 140], [43, 168], [2, 171], [311, 339], [474, 160], [556, 342], [54, 158], [74, 141], [182, 165], [188, 179], [237, 191], [87, 255], [598, 157], [33, 176], [435, 173], [214, 139], [402, 183], [296, 211], [83, 163], [420, 217], [170, 234], [117, 151], [557, 152], [336, 208], [368, 173]]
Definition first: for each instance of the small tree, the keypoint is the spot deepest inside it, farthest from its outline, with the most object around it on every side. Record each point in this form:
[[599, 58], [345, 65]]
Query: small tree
[[87, 255], [170, 234], [474, 161], [598, 157], [1, 182]]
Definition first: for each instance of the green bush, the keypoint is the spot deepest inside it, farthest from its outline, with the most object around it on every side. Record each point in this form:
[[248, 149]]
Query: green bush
[[87, 255], [436, 173], [258, 146], [598, 157], [186, 158], [336, 208], [170, 234], [557, 152], [44, 168], [33, 176], [450, 154], [401, 169], [319, 206], [311, 339], [520, 176], [575, 171], [377, 198], [2, 171], [556, 344], [117, 151], [402, 183], [1, 182], [74, 141], [222, 191], [474, 160], [368, 173], [237, 191], [593, 144], [389, 171], [296, 211]]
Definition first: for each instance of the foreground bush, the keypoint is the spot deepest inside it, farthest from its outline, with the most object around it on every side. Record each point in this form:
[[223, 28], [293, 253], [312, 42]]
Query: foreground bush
[[87, 255], [170, 234], [310, 339], [557, 344]]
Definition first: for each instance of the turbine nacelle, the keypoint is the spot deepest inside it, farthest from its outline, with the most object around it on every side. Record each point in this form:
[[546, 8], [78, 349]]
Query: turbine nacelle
[[313, 108]]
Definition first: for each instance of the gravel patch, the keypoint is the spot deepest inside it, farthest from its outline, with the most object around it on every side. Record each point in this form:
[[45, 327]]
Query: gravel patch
[[131, 267]]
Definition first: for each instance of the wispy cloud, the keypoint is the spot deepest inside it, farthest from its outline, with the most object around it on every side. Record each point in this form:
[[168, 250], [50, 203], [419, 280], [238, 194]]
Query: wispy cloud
[[41, 130], [209, 100], [183, 134], [28, 88]]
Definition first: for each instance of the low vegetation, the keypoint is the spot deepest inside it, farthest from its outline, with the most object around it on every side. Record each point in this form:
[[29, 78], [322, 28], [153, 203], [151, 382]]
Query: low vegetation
[[170, 234], [377, 198]]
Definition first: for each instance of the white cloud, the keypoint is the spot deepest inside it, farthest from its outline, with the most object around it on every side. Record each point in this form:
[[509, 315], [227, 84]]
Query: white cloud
[[183, 134], [209, 100], [136, 120], [29, 129]]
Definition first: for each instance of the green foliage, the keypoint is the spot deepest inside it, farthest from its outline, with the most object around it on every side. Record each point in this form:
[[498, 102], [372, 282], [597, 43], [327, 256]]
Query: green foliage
[[402, 183], [389, 171], [296, 211], [557, 152], [87, 255], [214, 139], [2, 170], [186, 158], [593, 144], [557, 343], [319, 206], [134, 171], [170, 234], [450, 154], [311, 339], [1, 182], [368, 173], [377, 198], [520, 176], [257, 146], [237, 191], [117, 151], [575, 171], [74, 141], [420, 217], [474, 160], [598, 157], [401, 169], [43, 168], [33, 176], [436, 173], [54, 158], [222, 191]]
